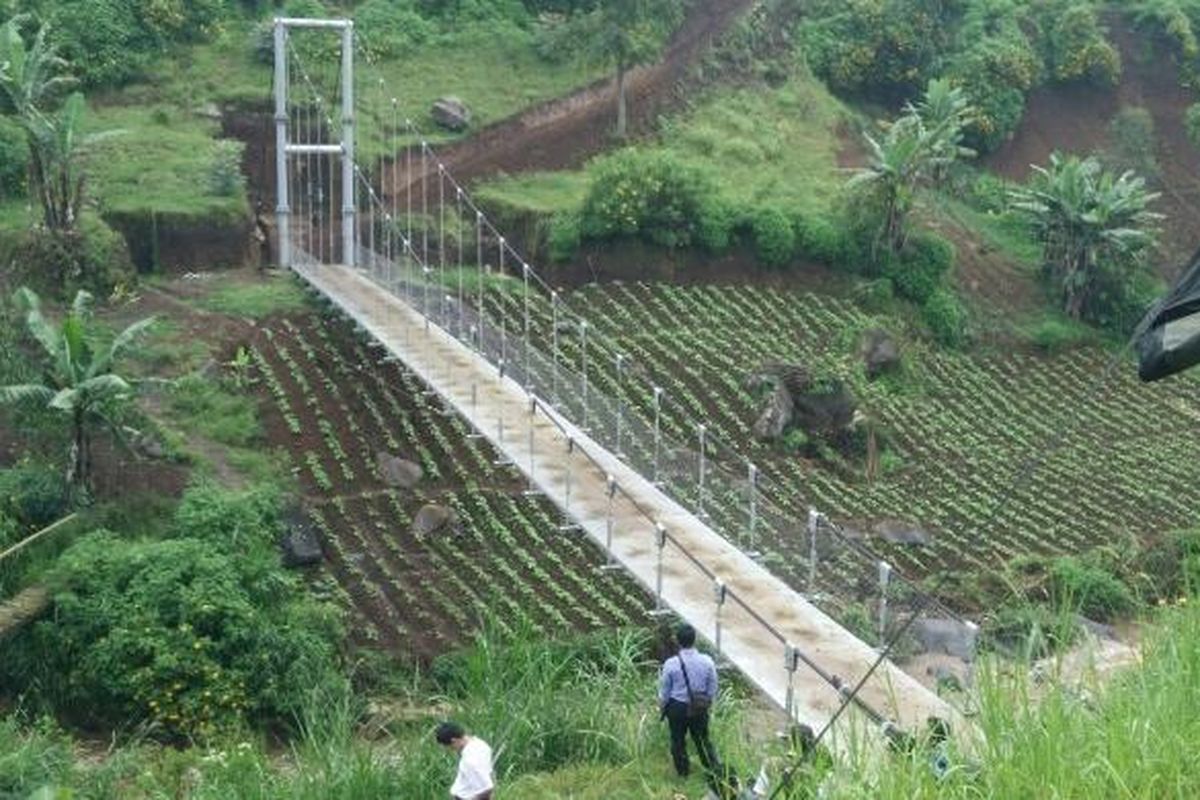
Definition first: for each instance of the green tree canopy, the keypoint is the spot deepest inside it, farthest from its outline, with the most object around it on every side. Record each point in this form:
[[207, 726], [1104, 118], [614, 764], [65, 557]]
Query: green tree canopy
[[79, 380]]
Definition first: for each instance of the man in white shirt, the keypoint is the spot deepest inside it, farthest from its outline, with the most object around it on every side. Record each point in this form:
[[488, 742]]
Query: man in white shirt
[[474, 778]]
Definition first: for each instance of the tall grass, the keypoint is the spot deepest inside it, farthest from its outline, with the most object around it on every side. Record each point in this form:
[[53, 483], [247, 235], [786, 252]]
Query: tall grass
[[1135, 737]]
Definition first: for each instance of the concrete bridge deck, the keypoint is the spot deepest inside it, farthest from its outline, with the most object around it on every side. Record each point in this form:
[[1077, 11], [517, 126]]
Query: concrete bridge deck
[[754, 632]]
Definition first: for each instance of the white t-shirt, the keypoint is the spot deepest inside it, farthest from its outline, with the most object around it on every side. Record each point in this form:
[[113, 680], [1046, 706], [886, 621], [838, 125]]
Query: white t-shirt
[[474, 770]]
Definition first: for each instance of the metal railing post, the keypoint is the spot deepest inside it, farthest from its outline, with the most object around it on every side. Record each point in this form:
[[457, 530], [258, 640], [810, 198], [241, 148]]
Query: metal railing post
[[701, 513], [282, 209], [753, 510], [609, 521], [532, 490], [620, 365], [885, 577], [554, 348], [583, 375], [658, 392], [814, 522], [525, 292], [660, 542], [791, 658]]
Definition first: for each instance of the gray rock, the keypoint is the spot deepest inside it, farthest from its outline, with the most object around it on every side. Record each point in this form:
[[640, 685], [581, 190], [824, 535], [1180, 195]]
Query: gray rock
[[775, 417], [827, 413], [433, 518], [146, 445], [900, 532], [1097, 629], [300, 544], [397, 471], [451, 113], [880, 352], [944, 635]]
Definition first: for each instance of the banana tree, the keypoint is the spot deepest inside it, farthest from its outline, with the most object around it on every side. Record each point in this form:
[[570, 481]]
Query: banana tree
[[1085, 215], [33, 80], [79, 382]]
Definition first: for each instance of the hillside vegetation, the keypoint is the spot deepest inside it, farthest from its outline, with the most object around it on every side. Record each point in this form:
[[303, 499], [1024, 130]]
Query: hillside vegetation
[[250, 554]]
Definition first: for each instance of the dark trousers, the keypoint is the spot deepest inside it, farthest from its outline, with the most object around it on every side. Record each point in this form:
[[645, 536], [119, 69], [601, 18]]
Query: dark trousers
[[681, 724]]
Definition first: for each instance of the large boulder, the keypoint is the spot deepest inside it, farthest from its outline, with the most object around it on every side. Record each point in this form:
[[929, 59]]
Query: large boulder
[[451, 113], [946, 635], [780, 382], [300, 544], [433, 518], [880, 352], [398, 472], [900, 532], [826, 412], [775, 417]]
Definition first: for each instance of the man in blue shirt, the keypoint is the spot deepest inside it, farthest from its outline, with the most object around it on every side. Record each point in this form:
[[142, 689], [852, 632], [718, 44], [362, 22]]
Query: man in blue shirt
[[686, 710]]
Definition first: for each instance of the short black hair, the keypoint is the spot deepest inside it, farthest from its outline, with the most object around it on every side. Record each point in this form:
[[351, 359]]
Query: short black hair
[[686, 635], [448, 731]]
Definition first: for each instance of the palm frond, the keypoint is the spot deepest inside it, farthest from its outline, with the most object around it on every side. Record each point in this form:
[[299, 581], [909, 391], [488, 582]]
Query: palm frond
[[25, 393]]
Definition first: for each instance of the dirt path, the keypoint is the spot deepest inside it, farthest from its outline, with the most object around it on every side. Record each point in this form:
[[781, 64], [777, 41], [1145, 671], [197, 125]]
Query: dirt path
[[564, 132]]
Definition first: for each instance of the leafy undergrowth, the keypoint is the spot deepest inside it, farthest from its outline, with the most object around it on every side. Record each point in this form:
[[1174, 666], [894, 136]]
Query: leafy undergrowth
[[577, 721], [775, 146]]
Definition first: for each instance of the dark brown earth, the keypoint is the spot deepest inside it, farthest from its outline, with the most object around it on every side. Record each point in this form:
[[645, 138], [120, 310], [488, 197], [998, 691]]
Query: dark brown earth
[[1075, 119], [564, 132]]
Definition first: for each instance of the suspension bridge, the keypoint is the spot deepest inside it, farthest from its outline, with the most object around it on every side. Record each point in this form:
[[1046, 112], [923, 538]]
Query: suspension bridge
[[422, 269]]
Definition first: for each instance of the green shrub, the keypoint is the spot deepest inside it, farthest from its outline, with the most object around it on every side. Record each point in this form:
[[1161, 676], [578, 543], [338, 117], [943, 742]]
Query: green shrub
[[392, 28], [995, 73], [946, 318], [225, 178], [1076, 46], [14, 159], [1054, 334], [649, 194], [1097, 593], [822, 240], [178, 634], [773, 236], [714, 231], [1191, 121], [229, 521], [563, 236], [1033, 631], [1131, 143], [106, 263], [919, 270], [881, 47], [876, 295], [33, 494]]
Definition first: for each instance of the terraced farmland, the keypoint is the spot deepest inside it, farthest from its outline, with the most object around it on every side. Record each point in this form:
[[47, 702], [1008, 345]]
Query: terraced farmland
[[332, 402], [961, 428]]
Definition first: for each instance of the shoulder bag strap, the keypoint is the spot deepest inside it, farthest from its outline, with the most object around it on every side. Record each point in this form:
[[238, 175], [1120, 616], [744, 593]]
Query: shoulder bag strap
[[683, 669]]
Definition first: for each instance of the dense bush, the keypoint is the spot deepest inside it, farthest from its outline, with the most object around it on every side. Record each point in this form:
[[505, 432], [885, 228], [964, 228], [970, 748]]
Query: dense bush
[[943, 312], [824, 240], [883, 47], [995, 73], [194, 634], [1131, 143], [563, 236], [225, 177], [33, 494], [94, 257], [773, 236], [110, 42], [652, 195], [918, 271], [391, 28], [1097, 593], [1076, 46], [14, 159], [1191, 122]]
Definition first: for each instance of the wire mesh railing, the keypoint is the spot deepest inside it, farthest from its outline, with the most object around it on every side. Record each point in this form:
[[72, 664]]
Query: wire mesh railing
[[444, 257]]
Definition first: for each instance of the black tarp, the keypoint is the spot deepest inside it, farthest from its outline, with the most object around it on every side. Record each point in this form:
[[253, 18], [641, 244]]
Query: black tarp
[[1169, 337]]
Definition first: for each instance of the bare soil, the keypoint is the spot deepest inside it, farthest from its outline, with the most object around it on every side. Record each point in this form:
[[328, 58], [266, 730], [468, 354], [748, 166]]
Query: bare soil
[[1075, 119], [564, 132]]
